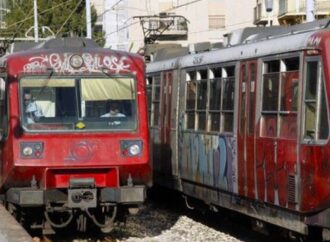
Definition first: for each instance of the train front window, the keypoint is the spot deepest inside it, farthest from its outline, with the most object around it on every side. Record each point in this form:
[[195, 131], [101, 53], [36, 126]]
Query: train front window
[[78, 104]]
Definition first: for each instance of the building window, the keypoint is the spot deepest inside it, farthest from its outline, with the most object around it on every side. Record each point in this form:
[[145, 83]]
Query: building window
[[216, 22]]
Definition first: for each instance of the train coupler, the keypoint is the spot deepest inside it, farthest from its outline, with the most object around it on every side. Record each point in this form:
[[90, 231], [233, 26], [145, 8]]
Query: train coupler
[[82, 193]]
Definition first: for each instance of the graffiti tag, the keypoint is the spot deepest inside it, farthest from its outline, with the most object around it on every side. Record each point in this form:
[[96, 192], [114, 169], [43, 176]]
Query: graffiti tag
[[61, 63]]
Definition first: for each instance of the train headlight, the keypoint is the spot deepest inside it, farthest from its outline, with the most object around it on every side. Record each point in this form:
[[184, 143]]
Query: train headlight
[[134, 150], [131, 147], [32, 150], [76, 61], [27, 151]]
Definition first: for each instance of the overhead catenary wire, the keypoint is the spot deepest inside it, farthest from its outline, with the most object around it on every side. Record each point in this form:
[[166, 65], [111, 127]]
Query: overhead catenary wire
[[40, 13], [127, 26], [72, 12], [182, 5]]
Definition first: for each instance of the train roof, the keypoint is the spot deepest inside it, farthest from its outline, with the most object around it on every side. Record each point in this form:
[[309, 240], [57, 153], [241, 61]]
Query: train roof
[[61, 45], [284, 40]]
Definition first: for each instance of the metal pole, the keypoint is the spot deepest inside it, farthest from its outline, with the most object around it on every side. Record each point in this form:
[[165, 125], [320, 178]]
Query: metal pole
[[88, 19], [310, 10], [36, 34]]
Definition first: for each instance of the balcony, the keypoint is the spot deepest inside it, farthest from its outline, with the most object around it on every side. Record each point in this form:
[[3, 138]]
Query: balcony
[[293, 12], [164, 27], [260, 15]]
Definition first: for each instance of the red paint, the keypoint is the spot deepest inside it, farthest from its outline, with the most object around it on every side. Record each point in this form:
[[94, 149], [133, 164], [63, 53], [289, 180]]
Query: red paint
[[74, 155], [245, 138]]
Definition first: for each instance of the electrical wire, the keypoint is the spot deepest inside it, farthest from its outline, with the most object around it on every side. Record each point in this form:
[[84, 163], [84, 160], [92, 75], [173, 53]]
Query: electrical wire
[[182, 5], [125, 27], [113, 6], [73, 11], [109, 9], [40, 13]]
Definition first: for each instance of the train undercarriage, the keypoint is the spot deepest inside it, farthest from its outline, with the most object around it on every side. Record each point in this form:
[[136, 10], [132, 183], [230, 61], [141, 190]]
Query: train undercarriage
[[81, 206]]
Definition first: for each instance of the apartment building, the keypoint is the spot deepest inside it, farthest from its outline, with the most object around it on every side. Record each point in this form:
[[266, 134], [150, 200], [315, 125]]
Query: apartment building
[[208, 20], [289, 12]]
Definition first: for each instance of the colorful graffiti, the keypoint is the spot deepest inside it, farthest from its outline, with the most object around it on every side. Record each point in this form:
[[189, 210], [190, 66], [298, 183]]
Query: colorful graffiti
[[209, 160]]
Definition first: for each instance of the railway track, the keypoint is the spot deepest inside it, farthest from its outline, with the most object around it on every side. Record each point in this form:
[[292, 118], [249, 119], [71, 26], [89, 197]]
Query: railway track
[[163, 220]]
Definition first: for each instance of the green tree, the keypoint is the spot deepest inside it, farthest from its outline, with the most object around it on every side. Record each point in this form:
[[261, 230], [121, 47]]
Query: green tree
[[66, 18]]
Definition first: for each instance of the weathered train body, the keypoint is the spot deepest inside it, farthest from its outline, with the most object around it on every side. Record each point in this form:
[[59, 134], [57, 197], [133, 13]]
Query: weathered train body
[[246, 127], [63, 154]]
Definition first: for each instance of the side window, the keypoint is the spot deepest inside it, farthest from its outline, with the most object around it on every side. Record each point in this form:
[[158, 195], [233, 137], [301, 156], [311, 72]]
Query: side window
[[155, 100], [210, 99], [201, 98], [280, 98], [270, 95], [215, 98], [316, 125], [149, 96], [227, 112], [191, 91], [289, 98]]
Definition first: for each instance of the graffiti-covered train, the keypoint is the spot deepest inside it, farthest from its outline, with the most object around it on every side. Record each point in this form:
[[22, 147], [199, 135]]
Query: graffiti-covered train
[[246, 127], [74, 135]]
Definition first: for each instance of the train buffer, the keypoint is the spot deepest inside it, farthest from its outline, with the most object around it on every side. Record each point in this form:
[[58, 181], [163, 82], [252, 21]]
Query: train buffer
[[10, 229]]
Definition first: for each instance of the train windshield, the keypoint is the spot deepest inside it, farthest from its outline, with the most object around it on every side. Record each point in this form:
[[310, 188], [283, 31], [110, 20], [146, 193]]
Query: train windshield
[[78, 104]]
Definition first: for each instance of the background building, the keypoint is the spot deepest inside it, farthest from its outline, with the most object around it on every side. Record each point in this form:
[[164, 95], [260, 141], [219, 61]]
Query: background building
[[208, 20]]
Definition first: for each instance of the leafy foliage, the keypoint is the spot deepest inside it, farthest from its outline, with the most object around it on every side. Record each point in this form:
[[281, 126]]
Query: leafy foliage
[[64, 17]]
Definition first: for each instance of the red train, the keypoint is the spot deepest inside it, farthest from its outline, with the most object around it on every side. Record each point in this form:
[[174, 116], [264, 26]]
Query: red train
[[246, 127], [74, 135]]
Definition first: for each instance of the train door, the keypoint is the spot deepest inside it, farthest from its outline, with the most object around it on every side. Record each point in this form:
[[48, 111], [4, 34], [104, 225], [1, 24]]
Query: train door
[[315, 135], [165, 121], [276, 141], [246, 129]]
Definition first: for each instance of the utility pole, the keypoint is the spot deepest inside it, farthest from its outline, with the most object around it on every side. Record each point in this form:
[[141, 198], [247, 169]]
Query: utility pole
[[36, 34], [88, 19], [310, 9]]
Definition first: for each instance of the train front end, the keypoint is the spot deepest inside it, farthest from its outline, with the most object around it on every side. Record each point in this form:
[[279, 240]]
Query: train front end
[[76, 145]]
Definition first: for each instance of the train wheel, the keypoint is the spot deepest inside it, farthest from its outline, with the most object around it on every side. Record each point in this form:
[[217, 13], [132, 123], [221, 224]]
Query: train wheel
[[104, 220], [109, 220], [133, 210]]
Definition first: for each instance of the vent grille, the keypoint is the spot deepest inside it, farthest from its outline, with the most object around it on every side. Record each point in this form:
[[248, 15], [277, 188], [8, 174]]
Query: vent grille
[[292, 196]]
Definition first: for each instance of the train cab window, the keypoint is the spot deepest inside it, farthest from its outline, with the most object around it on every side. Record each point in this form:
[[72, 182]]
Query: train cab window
[[191, 91], [62, 104], [155, 100], [316, 125], [201, 80]]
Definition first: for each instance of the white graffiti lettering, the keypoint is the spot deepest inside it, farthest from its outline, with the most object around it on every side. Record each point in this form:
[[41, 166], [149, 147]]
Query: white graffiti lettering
[[92, 63], [314, 41]]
